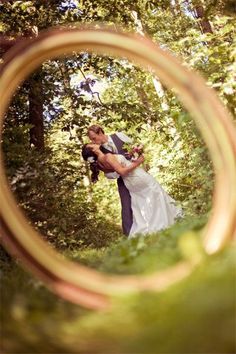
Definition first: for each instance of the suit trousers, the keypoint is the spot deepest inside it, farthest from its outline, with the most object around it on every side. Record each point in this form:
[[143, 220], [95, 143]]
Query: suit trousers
[[126, 211]]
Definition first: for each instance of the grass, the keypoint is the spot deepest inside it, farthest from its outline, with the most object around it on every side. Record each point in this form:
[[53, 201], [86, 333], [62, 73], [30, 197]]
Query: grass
[[142, 254], [196, 315]]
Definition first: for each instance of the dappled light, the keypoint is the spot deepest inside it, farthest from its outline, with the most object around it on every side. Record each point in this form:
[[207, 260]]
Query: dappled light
[[53, 185], [121, 74]]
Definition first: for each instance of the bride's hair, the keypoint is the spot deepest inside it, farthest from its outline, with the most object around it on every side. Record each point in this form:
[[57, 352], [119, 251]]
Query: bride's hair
[[91, 157]]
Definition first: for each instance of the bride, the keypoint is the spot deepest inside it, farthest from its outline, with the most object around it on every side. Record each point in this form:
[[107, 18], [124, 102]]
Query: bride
[[153, 209]]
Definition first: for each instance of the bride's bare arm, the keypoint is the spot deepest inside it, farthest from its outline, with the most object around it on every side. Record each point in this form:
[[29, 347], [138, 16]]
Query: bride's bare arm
[[119, 168]]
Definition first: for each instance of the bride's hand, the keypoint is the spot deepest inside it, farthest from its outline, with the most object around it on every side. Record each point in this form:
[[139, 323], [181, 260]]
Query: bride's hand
[[140, 159]]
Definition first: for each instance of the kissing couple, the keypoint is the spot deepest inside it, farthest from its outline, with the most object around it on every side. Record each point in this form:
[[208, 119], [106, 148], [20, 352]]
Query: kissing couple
[[146, 208]]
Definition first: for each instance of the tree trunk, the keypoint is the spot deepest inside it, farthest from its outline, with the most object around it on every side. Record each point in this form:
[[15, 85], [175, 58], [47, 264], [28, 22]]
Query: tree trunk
[[204, 22], [156, 82], [175, 7], [35, 90], [143, 97], [36, 111]]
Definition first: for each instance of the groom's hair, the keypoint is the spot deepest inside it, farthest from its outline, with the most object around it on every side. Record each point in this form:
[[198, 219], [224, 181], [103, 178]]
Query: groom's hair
[[86, 153], [96, 129]]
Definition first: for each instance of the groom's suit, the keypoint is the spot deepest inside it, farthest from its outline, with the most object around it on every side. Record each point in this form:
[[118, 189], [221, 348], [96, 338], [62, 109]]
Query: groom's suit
[[115, 145]]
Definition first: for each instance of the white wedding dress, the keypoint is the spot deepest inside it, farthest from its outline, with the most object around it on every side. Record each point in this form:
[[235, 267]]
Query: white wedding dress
[[153, 209]]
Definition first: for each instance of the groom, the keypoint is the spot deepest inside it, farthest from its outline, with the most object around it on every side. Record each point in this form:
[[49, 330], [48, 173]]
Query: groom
[[114, 144]]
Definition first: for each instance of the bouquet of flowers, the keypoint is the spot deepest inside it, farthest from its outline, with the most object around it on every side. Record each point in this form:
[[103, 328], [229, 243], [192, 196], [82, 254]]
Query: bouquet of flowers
[[134, 151]]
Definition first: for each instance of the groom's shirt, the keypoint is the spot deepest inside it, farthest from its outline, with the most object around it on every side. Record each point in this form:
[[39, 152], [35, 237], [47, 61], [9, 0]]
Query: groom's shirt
[[110, 145]]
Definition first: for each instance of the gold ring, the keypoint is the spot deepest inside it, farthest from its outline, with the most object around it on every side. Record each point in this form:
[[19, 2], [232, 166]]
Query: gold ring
[[78, 283]]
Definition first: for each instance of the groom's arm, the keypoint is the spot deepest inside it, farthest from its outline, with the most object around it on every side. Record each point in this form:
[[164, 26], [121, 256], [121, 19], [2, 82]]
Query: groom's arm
[[123, 137]]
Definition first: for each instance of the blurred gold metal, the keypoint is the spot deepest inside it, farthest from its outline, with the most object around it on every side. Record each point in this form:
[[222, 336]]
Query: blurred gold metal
[[75, 282]]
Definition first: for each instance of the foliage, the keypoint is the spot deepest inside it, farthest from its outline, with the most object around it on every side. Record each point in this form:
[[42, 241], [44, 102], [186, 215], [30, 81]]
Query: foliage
[[53, 188], [162, 249], [86, 88], [52, 194]]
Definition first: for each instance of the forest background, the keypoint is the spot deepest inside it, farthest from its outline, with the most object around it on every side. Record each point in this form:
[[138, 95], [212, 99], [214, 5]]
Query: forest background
[[45, 128]]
